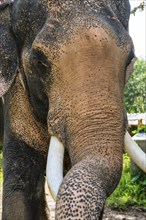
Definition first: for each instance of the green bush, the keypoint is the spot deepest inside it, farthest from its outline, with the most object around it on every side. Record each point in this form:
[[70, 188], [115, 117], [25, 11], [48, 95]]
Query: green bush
[[135, 89], [131, 191], [141, 129]]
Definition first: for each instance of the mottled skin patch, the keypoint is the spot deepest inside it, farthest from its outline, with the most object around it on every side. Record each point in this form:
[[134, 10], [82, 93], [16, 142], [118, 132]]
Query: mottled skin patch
[[85, 188], [36, 135], [66, 77]]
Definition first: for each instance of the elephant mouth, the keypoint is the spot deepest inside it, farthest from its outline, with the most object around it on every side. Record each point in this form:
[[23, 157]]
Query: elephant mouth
[[54, 169]]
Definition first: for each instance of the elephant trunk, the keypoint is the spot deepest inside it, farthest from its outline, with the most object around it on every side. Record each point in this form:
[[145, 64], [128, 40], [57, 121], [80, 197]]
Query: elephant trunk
[[93, 133], [95, 151], [96, 157], [99, 133], [86, 186]]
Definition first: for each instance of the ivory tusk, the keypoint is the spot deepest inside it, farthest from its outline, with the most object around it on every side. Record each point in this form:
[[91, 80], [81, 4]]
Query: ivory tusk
[[135, 153], [54, 170]]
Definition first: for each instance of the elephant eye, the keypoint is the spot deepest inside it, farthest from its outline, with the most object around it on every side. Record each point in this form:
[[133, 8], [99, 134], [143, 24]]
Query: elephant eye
[[40, 62], [130, 57], [130, 65]]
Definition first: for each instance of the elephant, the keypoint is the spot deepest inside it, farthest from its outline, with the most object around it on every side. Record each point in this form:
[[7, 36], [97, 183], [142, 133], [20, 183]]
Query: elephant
[[64, 65]]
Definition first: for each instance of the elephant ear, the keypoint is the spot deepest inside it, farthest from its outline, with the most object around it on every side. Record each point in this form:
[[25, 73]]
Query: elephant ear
[[8, 49]]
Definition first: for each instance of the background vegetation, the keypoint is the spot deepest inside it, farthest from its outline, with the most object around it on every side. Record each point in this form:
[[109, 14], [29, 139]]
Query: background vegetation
[[135, 90], [131, 190], [140, 7]]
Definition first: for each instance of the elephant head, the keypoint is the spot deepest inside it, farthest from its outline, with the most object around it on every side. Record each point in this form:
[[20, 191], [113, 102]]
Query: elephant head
[[72, 59]]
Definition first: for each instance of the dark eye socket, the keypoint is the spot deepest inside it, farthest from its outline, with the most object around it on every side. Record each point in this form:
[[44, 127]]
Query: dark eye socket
[[38, 57], [130, 57], [40, 62]]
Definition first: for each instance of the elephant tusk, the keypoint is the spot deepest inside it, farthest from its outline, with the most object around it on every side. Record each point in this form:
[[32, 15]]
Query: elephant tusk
[[135, 153], [54, 169]]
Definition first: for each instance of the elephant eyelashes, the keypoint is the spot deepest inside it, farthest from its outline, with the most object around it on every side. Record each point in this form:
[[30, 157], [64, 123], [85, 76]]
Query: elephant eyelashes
[[42, 64], [41, 67]]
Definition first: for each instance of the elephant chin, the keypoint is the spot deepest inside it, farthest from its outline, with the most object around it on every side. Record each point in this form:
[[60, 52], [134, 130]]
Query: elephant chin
[[54, 170]]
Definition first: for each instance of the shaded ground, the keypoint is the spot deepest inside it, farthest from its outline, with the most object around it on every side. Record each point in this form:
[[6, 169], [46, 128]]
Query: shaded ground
[[131, 214]]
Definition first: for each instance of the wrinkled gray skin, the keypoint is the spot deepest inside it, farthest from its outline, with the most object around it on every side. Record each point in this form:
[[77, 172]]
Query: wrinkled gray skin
[[63, 69]]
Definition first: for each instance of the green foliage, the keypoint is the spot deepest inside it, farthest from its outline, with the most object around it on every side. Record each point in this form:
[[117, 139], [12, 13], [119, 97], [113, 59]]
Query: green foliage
[[135, 89], [130, 191], [141, 129], [140, 7]]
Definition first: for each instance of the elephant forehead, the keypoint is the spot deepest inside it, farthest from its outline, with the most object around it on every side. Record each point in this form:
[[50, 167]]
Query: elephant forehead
[[98, 40], [89, 46], [65, 17], [92, 40]]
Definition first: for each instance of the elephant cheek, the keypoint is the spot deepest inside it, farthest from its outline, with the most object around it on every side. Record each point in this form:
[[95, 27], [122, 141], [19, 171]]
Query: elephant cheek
[[85, 188]]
